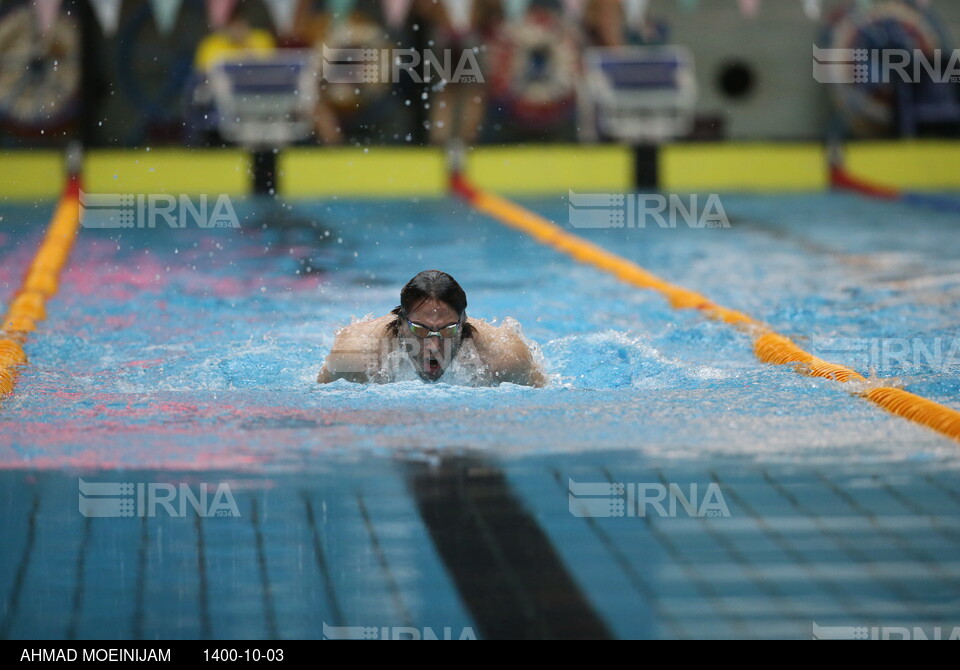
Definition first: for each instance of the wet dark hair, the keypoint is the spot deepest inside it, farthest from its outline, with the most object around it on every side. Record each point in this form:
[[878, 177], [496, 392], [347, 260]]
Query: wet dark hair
[[437, 285]]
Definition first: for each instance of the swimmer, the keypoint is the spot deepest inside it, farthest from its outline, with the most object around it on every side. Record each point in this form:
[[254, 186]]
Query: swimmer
[[430, 328]]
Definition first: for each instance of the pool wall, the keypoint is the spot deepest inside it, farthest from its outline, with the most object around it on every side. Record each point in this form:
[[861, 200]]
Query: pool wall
[[531, 169]]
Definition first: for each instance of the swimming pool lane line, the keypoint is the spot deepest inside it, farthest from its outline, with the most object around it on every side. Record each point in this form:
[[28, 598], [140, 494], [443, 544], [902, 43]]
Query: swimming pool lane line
[[768, 345], [843, 180], [28, 306]]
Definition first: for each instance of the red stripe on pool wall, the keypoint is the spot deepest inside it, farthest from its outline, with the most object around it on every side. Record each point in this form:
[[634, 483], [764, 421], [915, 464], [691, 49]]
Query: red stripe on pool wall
[[840, 178], [461, 187], [29, 303]]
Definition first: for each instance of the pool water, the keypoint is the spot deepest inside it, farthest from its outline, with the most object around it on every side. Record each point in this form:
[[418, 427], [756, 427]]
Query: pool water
[[193, 353], [205, 343]]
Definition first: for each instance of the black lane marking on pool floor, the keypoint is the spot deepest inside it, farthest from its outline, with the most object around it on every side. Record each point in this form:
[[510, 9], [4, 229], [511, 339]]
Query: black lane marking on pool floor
[[385, 570], [322, 563], [265, 587], [506, 569], [140, 593], [76, 609], [206, 628], [13, 600]]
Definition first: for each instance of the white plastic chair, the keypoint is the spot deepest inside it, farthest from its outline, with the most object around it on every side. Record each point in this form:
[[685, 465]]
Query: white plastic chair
[[637, 94]]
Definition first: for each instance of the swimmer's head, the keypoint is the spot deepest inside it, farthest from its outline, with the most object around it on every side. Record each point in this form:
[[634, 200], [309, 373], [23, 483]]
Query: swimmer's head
[[432, 321]]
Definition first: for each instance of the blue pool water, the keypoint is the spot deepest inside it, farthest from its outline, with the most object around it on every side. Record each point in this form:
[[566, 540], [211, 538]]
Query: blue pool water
[[206, 343], [193, 354]]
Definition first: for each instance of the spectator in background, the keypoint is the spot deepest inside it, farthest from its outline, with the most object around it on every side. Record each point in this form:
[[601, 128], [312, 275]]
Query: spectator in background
[[236, 37], [457, 109], [605, 25], [310, 26]]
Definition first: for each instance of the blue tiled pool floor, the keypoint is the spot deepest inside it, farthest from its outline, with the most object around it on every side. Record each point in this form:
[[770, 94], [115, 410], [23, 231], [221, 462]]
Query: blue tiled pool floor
[[466, 546]]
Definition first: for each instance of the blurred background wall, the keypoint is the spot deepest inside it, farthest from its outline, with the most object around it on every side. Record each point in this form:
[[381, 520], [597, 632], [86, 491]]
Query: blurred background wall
[[753, 75]]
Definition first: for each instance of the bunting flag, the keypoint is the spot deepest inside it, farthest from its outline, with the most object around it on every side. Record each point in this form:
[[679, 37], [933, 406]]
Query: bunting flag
[[515, 9], [459, 12], [635, 12], [812, 9], [46, 12], [574, 8], [165, 14], [283, 14], [108, 14], [750, 8], [395, 12], [218, 12]]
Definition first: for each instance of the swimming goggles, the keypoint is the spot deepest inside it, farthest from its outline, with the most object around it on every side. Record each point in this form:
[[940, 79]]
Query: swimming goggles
[[422, 332]]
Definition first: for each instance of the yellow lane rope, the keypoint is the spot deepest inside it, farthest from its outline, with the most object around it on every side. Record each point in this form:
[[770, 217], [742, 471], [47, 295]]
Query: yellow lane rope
[[28, 306], [769, 346]]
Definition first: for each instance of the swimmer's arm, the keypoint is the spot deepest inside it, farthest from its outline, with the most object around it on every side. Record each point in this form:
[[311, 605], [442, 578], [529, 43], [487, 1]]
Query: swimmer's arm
[[514, 363], [354, 355], [342, 364]]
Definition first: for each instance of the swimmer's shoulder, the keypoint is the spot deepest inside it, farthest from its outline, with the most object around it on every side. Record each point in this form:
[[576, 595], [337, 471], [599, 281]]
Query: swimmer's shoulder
[[506, 353], [481, 329], [371, 328], [357, 350], [490, 336]]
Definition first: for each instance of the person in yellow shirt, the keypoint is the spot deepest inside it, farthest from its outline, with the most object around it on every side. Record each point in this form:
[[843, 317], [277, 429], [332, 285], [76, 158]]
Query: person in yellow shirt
[[236, 37]]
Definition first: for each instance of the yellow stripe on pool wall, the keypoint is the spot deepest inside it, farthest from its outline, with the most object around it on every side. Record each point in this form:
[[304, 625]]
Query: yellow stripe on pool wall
[[924, 165], [551, 169], [355, 172], [171, 171], [739, 166], [321, 172], [28, 175]]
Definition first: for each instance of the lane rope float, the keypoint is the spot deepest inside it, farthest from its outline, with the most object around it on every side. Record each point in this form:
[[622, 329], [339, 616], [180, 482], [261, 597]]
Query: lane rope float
[[29, 304], [843, 180], [768, 345]]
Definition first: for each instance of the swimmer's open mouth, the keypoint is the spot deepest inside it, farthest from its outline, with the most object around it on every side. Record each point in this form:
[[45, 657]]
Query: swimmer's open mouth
[[432, 367]]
